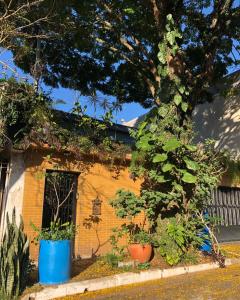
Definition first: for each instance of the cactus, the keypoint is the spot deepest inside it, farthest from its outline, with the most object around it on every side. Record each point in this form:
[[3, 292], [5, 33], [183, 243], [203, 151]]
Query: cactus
[[14, 260]]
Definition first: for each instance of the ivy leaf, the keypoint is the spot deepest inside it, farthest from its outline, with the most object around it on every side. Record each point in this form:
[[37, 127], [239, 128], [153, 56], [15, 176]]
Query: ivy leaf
[[163, 111], [167, 167], [161, 57], [177, 99], [171, 145], [170, 37], [160, 158], [184, 106], [189, 178], [191, 165], [181, 89]]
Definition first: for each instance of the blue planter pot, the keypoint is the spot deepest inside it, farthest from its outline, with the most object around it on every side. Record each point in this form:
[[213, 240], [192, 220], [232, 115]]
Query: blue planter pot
[[54, 262], [206, 245]]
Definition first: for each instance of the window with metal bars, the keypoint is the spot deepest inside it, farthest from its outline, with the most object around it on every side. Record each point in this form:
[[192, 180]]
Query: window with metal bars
[[59, 197], [225, 205]]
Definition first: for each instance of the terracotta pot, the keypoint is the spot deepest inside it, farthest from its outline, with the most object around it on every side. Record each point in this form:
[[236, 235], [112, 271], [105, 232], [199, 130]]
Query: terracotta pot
[[141, 253]]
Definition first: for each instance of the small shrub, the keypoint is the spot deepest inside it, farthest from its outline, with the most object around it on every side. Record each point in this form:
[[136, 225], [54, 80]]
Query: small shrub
[[112, 259], [144, 266], [55, 232]]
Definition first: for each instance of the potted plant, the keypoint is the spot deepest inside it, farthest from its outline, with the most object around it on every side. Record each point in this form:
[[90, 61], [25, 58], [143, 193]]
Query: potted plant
[[55, 250], [140, 246], [54, 261], [128, 206]]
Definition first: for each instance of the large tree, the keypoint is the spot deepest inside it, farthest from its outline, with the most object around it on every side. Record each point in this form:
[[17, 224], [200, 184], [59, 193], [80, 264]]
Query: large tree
[[112, 46]]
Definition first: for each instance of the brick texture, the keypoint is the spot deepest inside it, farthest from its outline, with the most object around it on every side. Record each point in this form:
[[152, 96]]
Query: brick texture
[[95, 179]]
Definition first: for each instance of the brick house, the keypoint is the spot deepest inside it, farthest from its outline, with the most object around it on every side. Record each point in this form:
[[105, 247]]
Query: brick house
[[25, 188]]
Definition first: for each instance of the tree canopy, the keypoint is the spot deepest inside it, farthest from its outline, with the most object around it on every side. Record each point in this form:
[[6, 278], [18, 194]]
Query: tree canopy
[[112, 46]]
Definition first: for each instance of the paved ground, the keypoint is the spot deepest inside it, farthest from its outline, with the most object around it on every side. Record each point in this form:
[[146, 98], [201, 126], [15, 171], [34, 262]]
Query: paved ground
[[228, 234], [223, 284]]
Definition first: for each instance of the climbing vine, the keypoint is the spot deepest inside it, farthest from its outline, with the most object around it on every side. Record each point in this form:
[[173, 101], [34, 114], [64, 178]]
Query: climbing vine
[[178, 174]]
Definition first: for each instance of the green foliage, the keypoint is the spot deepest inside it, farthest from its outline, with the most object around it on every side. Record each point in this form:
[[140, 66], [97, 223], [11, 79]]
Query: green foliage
[[22, 112], [112, 259], [141, 237], [55, 232], [28, 117], [127, 204], [14, 260], [144, 266], [175, 239], [178, 175], [113, 45], [118, 249]]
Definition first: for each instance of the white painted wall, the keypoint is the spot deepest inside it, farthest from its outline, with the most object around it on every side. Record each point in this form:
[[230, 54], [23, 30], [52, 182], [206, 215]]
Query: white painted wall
[[219, 120], [15, 188]]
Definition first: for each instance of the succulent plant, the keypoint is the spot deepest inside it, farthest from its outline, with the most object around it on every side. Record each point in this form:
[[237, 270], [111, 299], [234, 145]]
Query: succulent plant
[[14, 260]]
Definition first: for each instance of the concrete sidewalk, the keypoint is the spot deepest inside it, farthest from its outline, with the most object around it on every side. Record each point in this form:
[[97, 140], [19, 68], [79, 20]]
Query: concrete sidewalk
[[219, 284]]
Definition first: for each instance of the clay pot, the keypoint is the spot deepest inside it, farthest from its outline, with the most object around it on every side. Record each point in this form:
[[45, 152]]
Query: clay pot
[[141, 253]]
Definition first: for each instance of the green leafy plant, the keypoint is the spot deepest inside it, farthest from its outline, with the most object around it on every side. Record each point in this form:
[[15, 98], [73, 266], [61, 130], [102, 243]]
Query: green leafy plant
[[128, 205], [178, 174], [56, 231], [112, 259], [174, 239], [118, 248], [144, 266], [14, 260], [141, 237]]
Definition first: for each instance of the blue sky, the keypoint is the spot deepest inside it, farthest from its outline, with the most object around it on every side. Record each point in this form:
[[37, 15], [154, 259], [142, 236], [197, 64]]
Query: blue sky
[[128, 112]]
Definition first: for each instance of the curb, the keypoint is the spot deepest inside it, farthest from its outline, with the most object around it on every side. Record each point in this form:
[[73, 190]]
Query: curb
[[72, 288]]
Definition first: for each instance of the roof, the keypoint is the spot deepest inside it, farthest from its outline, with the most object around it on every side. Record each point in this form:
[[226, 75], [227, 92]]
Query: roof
[[117, 132]]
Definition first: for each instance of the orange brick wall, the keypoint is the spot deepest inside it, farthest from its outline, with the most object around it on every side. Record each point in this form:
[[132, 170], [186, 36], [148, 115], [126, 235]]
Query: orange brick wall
[[98, 180]]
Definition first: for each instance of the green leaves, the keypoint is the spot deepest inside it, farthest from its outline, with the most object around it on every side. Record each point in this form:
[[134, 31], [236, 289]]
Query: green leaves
[[143, 143], [167, 167], [177, 99], [191, 165], [171, 145], [160, 158], [184, 106], [189, 178]]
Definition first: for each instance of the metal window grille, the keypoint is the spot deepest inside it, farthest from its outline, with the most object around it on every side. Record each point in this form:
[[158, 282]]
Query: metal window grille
[[59, 187], [225, 205]]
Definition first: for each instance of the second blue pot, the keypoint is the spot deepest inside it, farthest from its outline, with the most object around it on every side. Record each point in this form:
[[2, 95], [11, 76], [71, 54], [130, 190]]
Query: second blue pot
[[54, 262]]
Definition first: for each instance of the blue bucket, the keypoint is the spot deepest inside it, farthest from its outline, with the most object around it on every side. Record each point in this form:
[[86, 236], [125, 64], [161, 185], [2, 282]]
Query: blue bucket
[[54, 262]]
